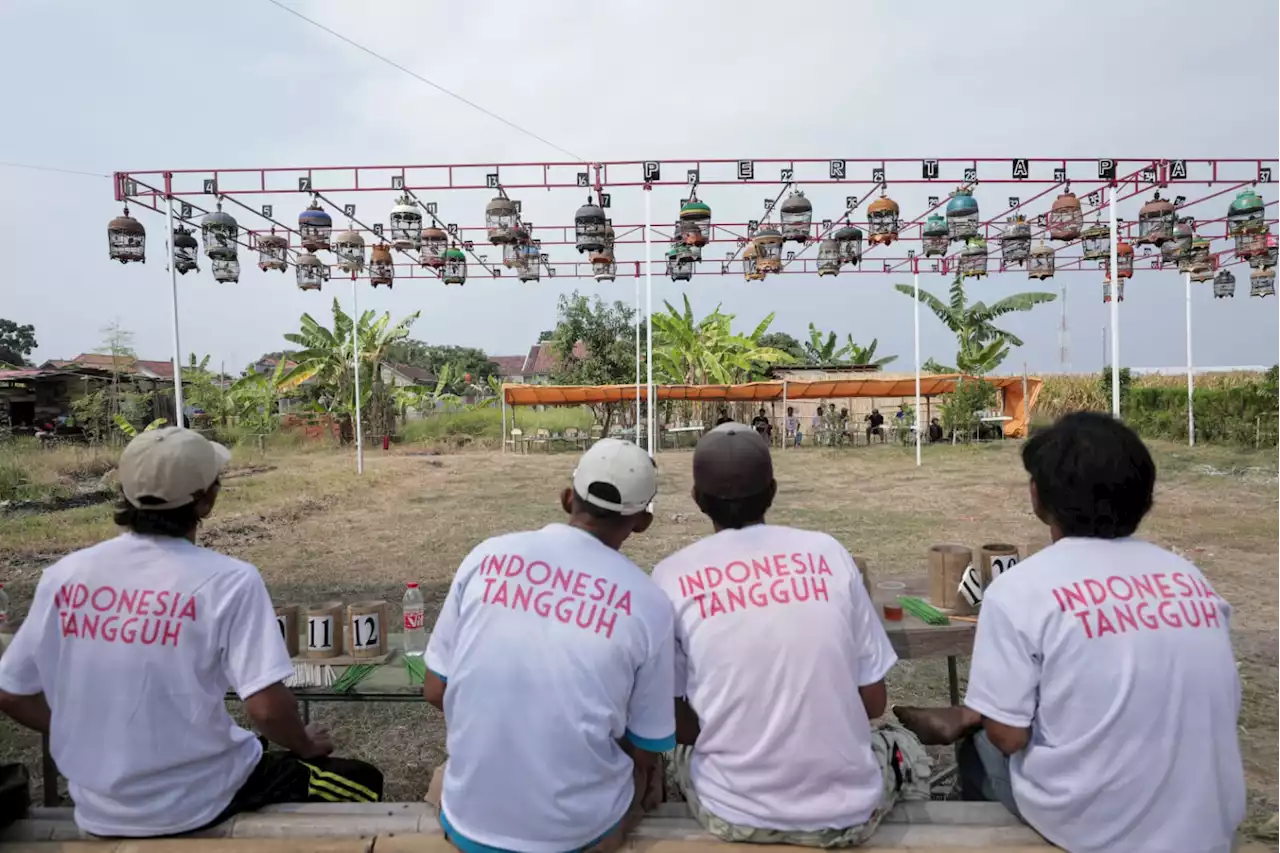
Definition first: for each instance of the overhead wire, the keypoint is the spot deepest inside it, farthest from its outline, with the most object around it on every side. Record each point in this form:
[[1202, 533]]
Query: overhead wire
[[36, 168]]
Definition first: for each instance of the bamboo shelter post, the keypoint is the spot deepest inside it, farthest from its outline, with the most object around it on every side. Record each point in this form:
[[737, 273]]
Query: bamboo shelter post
[[1191, 382], [503, 395], [784, 415]]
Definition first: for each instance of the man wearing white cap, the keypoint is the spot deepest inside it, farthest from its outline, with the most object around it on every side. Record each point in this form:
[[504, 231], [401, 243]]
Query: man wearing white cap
[[552, 661], [130, 647]]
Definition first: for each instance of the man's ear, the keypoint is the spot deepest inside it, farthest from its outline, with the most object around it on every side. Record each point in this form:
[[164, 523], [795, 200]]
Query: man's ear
[[642, 522], [566, 500]]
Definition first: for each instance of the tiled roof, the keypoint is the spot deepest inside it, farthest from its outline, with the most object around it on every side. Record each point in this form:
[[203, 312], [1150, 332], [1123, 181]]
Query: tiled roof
[[542, 358], [420, 375], [509, 365]]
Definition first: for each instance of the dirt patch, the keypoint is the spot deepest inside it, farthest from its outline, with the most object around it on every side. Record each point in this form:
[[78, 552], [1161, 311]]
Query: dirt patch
[[247, 472]]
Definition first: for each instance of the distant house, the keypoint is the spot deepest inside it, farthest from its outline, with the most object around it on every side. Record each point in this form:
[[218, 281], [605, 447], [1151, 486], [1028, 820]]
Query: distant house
[[267, 365], [535, 368], [141, 368], [400, 375]]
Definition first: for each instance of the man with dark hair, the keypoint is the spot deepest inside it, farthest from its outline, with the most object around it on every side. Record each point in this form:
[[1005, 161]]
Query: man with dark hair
[[130, 648], [552, 662], [780, 667], [1103, 696], [723, 418], [875, 425], [762, 425]]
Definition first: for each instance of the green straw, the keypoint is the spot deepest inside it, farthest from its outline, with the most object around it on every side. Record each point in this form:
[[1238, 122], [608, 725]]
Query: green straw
[[353, 676], [923, 610], [416, 667]]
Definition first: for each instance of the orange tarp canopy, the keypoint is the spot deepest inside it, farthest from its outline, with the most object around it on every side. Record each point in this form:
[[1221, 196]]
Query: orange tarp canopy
[[1015, 407]]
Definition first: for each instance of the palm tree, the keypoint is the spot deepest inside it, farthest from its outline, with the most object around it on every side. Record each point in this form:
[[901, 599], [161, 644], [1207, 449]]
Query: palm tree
[[983, 346]]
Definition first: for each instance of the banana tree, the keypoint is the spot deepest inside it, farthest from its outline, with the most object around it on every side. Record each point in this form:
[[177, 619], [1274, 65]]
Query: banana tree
[[707, 352], [255, 397], [487, 394], [424, 398], [821, 349], [866, 355]]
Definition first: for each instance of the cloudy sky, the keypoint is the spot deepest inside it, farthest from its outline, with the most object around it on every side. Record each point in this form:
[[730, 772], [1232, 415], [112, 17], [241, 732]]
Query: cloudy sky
[[146, 84]]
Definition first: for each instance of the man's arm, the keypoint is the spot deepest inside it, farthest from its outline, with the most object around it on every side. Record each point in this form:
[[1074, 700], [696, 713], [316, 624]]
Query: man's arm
[[29, 711], [876, 656], [1007, 739], [1004, 677], [874, 698], [688, 726], [433, 690], [274, 712]]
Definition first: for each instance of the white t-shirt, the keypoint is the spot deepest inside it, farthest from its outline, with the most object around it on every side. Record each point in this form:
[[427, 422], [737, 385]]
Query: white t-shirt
[[134, 643], [775, 633], [1118, 656], [554, 647]]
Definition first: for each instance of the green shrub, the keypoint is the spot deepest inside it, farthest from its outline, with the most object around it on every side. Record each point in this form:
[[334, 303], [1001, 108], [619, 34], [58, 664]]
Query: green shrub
[[486, 424]]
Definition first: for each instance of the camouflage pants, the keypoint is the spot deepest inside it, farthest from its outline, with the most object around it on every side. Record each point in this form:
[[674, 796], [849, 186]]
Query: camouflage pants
[[904, 767]]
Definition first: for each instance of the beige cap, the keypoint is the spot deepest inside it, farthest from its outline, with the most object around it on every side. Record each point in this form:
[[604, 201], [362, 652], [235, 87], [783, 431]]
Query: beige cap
[[167, 468]]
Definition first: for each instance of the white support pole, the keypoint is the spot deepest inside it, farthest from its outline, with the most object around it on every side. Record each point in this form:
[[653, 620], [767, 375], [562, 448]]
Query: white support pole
[[784, 415], [355, 344], [637, 421], [648, 313], [177, 347], [503, 397], [1115, 308], [1191, 383], [916, 319]]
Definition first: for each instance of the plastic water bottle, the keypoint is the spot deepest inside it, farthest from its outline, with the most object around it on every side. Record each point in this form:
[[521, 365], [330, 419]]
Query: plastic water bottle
[[415, 629]]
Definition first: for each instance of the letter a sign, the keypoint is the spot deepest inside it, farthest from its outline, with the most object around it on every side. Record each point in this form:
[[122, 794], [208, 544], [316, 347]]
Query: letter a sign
[[1021, 169], [1178, 169]]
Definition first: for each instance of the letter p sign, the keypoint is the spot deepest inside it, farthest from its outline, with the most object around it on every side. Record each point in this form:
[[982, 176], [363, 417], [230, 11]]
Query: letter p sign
[[652, 171], [1107, 169]]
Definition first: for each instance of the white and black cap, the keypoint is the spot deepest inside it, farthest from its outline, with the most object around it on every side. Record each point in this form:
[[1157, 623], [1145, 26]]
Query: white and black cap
[[615, 467]]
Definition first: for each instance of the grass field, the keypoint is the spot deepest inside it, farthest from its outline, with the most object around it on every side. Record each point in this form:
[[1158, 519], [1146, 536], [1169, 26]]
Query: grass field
[[317, 532]]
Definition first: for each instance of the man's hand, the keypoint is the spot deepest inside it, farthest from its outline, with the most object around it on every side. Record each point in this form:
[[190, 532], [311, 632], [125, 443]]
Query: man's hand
[[319, 740]]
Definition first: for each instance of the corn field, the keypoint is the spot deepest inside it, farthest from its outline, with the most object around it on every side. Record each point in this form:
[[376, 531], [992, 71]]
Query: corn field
[[1076, 392]]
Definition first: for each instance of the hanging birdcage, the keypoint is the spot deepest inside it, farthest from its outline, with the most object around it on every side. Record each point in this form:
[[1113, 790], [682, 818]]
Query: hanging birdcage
[[680, 262], [849, 242], [1095, 241], [513, 249], [1124, 259], [219, 231], [1267, 257], [934, 237], [962, 214], [750, 269], [603, 265], [1040, 262], [225, 269], [1106, 290], [434, 244], [1224, 284], [349, 247], [406, 224], [1155, 221], [768, 243], [273, 252], [531, 266], [1247, 213], [882, 220], [1262, 282], [186, 251], [698, 213], [382, 268], [126, 239], [1199, 261], [796, 218], [588, 224], [690, 233], [500, 218], [314, 227], [1015, 243], [455, 266], [311, 272], [1178, 247], [1065, 218], [829, 259], [973, 258]]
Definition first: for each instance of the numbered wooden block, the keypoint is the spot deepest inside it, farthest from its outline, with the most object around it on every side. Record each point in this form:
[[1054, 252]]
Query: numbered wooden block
[[324, 630], [996, 559], [367, 629], [861, 563], [287, 622], [946, 570]]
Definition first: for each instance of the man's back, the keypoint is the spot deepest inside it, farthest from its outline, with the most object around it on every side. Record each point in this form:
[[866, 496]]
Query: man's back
[[775, 634], [1133, 733], [554, 647], [134, 659]]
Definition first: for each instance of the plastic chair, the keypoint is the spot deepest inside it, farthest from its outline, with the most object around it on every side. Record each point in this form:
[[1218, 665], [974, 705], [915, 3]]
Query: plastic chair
[[516, 440]]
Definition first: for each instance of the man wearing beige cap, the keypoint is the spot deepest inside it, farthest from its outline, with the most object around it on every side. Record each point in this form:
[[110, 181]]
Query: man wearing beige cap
[[130, 647], [779, 669]]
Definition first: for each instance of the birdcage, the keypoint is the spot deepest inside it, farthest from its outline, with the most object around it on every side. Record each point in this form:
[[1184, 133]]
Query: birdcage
[[531, 266], [186, 251], [273, 252], [382, 268], [126, 239], [225, 269], [935, 239], [962, 214], [588, 225], [1178, 247], [829, 259], [220, 233], [1065, 219], [1262, 282], [603, 265], [1267, 257], [1015, 243], [691, 233], [311, 272], [406, 224], [1106, 290], [679, 262], [455, 266], [796, 218], [1198, 261], [1040, 262], [849, 242], [1246, 213], [1224, 284], [1095, 241], [768, 243], [1250, 244], [698, 213], [500, 217], [1124, 259], [434, 244], [314, 227], [750, 269], [973, 258], [349, 247], [513, 249], [1155, 221], [882, 220]]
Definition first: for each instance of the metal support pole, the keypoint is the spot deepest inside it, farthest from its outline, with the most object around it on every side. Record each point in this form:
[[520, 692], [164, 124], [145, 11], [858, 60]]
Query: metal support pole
[[1115, 307], [1191, 383], [355, 345], [177, 348], [784, 415], [503, 396], [648, 313], [916, 320], [637, 421]]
